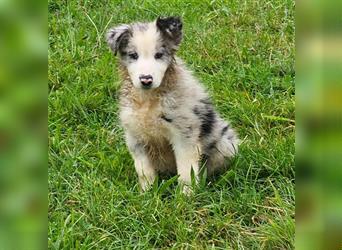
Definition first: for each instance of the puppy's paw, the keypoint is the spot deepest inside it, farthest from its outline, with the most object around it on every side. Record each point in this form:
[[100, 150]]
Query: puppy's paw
[[145, 185], [187, 190]]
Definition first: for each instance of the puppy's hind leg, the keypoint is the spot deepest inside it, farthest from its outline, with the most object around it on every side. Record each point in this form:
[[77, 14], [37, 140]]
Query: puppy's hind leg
[[142, 162]]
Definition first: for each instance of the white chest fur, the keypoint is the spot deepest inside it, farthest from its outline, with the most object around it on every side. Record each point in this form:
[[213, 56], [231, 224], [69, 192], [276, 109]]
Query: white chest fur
[[143, 119]]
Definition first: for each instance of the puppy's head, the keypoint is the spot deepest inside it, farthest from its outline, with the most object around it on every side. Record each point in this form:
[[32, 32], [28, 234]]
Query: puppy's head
[[146, 49]]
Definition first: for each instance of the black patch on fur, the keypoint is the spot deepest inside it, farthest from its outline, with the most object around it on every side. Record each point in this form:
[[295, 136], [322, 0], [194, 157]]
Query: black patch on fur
[[123, 41], [224, 130], [171, 28], [207, 123], [207, 118], [166, 119]]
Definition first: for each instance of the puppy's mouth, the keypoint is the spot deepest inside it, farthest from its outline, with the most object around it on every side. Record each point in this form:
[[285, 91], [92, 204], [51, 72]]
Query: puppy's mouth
[[146, 87]]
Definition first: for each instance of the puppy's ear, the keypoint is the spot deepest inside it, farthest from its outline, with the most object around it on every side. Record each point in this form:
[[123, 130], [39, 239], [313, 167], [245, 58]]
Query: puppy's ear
[[118, 37], [171, 28]]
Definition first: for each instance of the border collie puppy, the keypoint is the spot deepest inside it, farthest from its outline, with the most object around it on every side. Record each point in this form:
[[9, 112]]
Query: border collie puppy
[[169, 121]]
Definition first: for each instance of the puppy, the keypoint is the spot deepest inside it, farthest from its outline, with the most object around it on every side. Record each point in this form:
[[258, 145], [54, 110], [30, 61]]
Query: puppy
[[169, 121]]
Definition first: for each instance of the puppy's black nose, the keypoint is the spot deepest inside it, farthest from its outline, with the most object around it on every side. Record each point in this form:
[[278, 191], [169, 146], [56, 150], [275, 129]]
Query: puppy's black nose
[[146, 80]]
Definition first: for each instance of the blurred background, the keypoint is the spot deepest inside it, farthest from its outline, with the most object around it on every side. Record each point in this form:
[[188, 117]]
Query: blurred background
[[319, 122], [23, 124]]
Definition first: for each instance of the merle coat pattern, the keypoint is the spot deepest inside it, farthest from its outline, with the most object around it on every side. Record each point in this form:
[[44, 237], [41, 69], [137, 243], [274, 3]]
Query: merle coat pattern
[[169, 121]]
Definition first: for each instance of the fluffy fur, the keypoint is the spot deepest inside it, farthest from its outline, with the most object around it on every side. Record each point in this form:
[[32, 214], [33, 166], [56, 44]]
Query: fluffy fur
[[170, 125]]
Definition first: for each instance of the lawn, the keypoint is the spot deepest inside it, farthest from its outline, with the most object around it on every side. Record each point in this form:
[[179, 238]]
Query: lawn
[[243, 52]]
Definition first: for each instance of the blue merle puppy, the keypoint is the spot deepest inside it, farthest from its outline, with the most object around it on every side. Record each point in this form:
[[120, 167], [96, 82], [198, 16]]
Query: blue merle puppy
[[169, 121]]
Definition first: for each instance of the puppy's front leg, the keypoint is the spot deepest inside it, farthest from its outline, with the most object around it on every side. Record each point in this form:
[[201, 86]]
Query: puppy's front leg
[[143, 165], [187, 157]]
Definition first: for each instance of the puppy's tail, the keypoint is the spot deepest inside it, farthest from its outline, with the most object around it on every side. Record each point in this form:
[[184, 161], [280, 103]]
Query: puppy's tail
[[229, 141], [226, 147]]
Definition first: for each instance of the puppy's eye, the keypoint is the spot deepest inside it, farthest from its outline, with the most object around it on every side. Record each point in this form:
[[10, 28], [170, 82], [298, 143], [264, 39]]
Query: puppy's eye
[[158, 55], [133, 56]]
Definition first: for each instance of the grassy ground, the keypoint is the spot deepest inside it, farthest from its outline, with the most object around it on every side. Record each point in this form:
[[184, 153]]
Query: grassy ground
[[244, 54]]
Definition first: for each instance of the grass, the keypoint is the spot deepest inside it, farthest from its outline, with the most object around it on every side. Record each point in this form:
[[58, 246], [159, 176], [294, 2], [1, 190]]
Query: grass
[[243, 52]]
